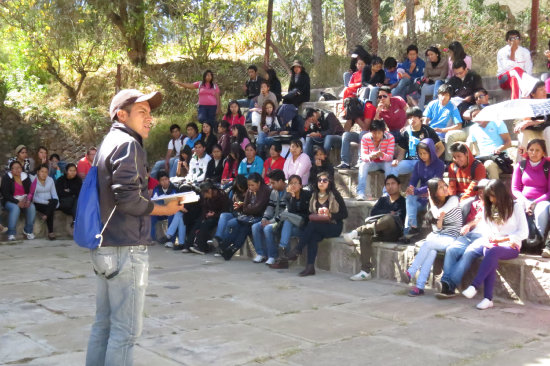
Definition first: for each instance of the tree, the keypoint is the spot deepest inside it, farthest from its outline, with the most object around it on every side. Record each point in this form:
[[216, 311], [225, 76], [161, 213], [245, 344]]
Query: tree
[[411, 21], [317, 31], [64, 38], [129, 17], [353, 31]]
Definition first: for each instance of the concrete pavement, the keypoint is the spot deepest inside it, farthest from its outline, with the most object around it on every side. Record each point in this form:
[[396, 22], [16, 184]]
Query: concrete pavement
[[201, 310]]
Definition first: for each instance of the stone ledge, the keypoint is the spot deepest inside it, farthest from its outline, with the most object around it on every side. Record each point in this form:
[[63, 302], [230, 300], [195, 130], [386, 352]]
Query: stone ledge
[[61, 226], [524, 279]]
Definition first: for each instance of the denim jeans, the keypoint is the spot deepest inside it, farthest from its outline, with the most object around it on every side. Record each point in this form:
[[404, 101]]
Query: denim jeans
[[327, 142], [364, 179], [263, 239], [177, 226], [458, 259], [207, 113], [122, 276], [159, 165], [405, 86], [413, 204], [154, 220], [427, 89], [246, 103], [541, 215], [347, 78], [287, 232], [13, 214], [426, 256], [370, 95], [222, 230], [237, 233], [262, 141], [347, 139]]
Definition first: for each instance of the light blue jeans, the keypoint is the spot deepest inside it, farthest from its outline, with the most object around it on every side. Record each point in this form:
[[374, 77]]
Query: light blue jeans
[[541, 214], [177, 226], [426, 256], [264, 241], [458, 259], [347, 139], [159, 165], [370, 94], [404, 167], [13, 215], [222, 231], [364, 169], [287, 232], [122, 276], [413, 204], [405, 86], [328, 142]]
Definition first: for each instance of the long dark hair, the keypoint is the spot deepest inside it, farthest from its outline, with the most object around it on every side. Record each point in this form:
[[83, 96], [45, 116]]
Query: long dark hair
[[235, 149], [264, 113], [433, 185], [272, 76], [204, 78], [242, 133], [239, 185], [504, 200], [458, 51], [330, 186], [437, 52], [540, 142], [228, 113], [256, 178]]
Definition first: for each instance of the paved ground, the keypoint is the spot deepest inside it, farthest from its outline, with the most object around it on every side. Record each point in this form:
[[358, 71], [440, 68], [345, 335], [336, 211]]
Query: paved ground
[[201, 310]]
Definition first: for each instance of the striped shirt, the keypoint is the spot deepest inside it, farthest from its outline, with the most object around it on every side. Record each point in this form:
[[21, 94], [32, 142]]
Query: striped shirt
[[387, 146], [452, 221]]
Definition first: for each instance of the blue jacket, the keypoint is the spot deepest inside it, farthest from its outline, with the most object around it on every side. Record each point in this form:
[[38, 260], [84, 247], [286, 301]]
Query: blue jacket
[[157, 191], [257, 167], [418, 71], [423, 173]]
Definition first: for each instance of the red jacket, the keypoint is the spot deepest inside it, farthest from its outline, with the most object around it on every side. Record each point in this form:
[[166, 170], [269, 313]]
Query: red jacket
[[462, 181]]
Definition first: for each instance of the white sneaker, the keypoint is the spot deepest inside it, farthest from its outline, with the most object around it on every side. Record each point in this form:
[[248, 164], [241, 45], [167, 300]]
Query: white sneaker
[[485, 304], [29, 236], [169, 244], [348, 237], [360, 197], [11, 237], [258, 259], [270, 260], [361, 276], [470, 292]]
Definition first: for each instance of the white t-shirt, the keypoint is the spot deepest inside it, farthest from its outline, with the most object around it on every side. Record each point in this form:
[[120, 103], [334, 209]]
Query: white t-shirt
[[176, 145]]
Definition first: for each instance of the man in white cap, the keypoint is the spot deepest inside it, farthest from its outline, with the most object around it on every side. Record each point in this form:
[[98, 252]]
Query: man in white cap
[[121, 263]]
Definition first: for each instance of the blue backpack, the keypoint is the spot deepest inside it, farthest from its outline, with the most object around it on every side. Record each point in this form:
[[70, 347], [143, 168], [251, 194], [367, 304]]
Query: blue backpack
[[88, 228]]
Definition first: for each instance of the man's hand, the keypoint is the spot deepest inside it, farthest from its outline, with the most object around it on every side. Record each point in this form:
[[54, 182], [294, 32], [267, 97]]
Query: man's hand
[[522, 126], [168, 209], [410, 191], [394, 162], [465, 229], [440, 130]]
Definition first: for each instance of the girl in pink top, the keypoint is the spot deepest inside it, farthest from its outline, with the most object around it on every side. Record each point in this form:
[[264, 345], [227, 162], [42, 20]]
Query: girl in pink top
[[234, 116], [209, 96], [240, 136], [298, 162], [531, 184]]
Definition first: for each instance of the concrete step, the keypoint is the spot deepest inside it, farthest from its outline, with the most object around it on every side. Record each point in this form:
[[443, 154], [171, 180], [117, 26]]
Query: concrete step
[[61, 226], [524, 279]]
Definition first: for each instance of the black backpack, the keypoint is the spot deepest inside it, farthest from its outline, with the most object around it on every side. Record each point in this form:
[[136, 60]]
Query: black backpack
[[354, 108], [472, 168], [545, 167]]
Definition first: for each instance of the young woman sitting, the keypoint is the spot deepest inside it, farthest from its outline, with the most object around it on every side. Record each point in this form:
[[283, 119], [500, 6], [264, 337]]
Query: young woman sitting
[[275, 161], [45, 197], [214, 169], [251, 163], [231, 165], [68, 189]]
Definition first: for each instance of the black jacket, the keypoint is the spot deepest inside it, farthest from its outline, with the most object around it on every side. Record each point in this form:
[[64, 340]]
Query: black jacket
[[299, 206], [328, 124], [209, 142], [8, 187], [214, 172], [378, 77], [326, 167], [303, 86], [68, 187], [467, 87], [122, 179], [253, 87]]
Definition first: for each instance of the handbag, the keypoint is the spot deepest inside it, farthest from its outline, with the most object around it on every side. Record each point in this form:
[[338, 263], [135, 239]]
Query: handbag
[[319, 218], [293, 218], [248, 219]]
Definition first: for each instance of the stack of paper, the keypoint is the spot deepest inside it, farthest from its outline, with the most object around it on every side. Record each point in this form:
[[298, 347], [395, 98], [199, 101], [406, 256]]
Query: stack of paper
[[184, 197]]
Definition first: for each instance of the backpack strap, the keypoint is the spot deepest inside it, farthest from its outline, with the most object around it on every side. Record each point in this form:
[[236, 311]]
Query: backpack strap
[[522, 165], [546, 167], [100, 235], [473, 168]]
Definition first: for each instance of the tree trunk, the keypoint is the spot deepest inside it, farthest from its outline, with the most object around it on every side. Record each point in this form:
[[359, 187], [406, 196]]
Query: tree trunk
[[352, 24], [411, 22], [317, 31], [375, 12]]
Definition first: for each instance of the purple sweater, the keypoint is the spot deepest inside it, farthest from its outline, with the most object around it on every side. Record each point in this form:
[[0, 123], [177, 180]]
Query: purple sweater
[[423, 173], [532, 185]]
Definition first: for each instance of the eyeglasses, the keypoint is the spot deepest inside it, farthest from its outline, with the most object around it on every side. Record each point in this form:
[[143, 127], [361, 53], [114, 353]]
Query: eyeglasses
[[382, 96], [481, 96], [514, 38], [322, 180]]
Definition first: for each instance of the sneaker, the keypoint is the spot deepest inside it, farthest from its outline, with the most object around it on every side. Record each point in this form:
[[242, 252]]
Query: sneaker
[[217, 254], [415, 291], [485, 304], [196, 250], [361, 276], [185, 250], [413, 231], [360, 197], [545, 253], [30, 236], [215, 242], [11, 237], [165, 239], [348, 237], [406, 277], [259, 259], [343, 166], [270, 261], [168, 244], [470, 292], [446, 292]]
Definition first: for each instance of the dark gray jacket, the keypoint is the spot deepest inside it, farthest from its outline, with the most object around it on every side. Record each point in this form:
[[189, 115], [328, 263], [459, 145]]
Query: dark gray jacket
[[122, 177]]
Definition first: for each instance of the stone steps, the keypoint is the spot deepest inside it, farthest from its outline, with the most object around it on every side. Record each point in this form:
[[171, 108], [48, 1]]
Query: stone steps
[[524, 279], [61, 225]]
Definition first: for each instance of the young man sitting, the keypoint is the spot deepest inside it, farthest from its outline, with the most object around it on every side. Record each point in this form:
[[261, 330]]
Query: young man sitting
[[164, 187], [413, 67], [392, 109], [172, 154], [262, 232], [198, 164], [322, 128], [444, 118], [406, 147], [465, 82], [384, 224]]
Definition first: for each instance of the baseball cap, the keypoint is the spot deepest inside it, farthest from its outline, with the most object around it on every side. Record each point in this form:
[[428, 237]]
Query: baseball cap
[[130, 96]]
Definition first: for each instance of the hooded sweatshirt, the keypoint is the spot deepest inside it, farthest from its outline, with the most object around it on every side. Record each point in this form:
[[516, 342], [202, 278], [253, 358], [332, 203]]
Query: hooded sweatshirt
[[462, 181], [423, 173]]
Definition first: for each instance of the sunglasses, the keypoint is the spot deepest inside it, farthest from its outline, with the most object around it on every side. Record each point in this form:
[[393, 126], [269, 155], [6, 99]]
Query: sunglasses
[[514, 38], [322, 180], [382, 96], [481, 96]]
